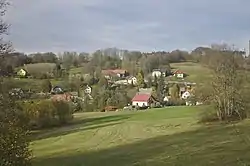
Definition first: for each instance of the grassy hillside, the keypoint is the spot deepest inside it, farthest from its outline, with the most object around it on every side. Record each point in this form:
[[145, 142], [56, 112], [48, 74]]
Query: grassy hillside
[[169, 136], [78, 70], [40, 67], [196, 72]]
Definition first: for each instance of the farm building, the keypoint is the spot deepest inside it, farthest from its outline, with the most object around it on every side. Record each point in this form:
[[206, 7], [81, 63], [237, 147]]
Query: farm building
[[22, 73], [142, 100], [132, 80], [57, 90], [156, 73], [185, 95], [116, 72], [88, 90], [179, 74]]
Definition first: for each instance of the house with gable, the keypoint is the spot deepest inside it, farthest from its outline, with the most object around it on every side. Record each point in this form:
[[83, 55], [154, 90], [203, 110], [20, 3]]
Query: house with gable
[[142, 100], [179, 74], [132, 80], [108, 74], [159, 72], [22, 73]]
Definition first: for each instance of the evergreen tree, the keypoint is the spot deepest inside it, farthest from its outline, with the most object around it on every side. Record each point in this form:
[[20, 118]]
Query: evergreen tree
[[140, 79], [175, 91], [103, 82], [155, 81], [149, 84], [160, 89]]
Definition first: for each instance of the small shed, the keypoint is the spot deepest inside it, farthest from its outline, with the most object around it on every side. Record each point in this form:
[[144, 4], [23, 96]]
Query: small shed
[[110, 108]]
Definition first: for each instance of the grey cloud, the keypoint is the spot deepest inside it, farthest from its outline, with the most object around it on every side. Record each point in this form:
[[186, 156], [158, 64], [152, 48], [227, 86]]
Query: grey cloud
[[86, 25]]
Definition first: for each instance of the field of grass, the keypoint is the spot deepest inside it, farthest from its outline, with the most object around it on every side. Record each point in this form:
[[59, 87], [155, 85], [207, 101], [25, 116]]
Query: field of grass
[[32, 84], [40, 67], [196, 72], [78, 70], [169, 136]]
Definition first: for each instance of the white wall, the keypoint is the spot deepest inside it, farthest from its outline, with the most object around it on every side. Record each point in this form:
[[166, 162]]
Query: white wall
[[132, 80], [180, 75], [186, 95], [140, 103], [156, 73]]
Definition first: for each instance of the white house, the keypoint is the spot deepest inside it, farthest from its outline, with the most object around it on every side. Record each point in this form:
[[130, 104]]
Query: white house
[[185, 95], [166, 99], [156, 73], [142, 100], [179, 74], [121, 82], [88, 90], [132, 80], [22, 73]]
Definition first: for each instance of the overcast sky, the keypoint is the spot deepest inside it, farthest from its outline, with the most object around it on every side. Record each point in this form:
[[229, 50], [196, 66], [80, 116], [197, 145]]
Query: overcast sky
[[146, 25]]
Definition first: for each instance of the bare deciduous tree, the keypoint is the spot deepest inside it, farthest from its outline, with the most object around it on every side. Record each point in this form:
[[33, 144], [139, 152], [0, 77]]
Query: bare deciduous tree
[[13, 136], [226, 89]]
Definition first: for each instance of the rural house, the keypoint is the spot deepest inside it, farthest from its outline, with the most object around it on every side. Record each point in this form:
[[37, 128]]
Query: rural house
[[57, 90], [132, 80], [117, 72], [158, 73], [178, 74], [121, 73], [185, 95], [22, 73], [142, 100], [88, 90]]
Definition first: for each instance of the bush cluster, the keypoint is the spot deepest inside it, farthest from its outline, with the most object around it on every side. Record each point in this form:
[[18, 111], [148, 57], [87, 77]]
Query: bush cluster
[[47, 113], [176, 102]]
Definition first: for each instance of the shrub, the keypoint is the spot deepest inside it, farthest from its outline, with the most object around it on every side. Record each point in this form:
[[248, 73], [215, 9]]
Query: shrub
[[46, 86], [64, 111], [14, 135], [208, 114], [45, 113], [176, 102]]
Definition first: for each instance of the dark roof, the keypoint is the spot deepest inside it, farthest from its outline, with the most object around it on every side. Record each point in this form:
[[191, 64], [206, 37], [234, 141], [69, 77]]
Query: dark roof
[[141, 97], [57, 87]]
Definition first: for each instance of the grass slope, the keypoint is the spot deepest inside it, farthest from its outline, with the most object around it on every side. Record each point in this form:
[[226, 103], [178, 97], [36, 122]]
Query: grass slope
[[169, 136], [196, 72]]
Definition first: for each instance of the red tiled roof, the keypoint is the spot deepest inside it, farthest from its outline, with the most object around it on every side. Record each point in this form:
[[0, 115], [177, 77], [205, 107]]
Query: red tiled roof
[[178, 72], [141, 97], [61, 97]]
